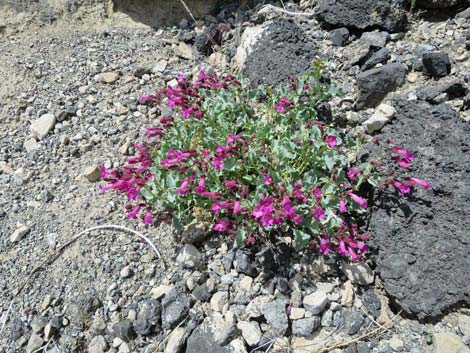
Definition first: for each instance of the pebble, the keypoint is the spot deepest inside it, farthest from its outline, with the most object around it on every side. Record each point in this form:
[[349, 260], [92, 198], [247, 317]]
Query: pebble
[[218, 301], [108, 77], [19, 234], [126, 272], [92, 173], [97, 345], [250, 331], [358, 273], [34, 343], [41, 127], [316, 302], [175, 340], [382, 115]]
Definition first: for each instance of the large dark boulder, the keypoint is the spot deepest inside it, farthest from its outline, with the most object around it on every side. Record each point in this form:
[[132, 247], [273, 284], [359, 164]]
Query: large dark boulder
[[363, 14], [423, 239], [374, 84], [270, 53]]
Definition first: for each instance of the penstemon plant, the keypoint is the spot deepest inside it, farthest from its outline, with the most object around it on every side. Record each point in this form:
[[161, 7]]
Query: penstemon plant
[[259, 161]]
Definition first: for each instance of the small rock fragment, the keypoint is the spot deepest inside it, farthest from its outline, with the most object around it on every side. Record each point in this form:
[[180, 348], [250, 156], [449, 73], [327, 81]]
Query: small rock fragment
[[250, 331], [97, 345], [92, 173], [436, 64], [175, 340], [382, 115], [189, 257], [41, 127], [19, 233], [358, 273], [34, 343], [316, 302]]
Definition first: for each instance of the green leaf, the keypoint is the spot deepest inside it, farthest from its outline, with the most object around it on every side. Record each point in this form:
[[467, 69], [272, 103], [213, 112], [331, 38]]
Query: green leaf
[[242, 234], [301, 239]]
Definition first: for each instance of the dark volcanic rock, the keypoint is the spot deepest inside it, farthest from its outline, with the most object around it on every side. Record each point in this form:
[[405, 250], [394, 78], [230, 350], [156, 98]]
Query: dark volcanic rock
[[436, 64], [339, 36], [435, 4], [378, 57], [203, 340], [363, 14], [276, 316], [443, 92], [148, 317], [283, 49], [374, 84], [175, 307], [422, 240]]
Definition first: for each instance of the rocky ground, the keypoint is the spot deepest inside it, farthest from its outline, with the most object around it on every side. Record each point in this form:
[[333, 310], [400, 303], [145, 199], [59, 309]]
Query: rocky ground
[[68, 103]]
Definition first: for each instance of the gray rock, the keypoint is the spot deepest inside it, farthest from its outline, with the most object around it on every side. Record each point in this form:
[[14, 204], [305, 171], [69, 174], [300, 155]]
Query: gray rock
[[41, 127], [465, 14], [201, 293], [203, 340], [374, 84], [358, 272], [97, 345], [379, 57], [175, 340], [417, 60], [189, 257], [363, 14], [305, 327], [436, 64], [184, 51], [316, 302], [268, 54], [175, 307], [31, 145], [92, 173], [108, 77], [376, 39], [339, 36], [371, 302], [451, 90], [250, 331], [244, 263], [327, 318], [421, 276], [148, 317], [448, 343], [276, 316], [34, 343], [219, 300], [352, 321], [124, 330]]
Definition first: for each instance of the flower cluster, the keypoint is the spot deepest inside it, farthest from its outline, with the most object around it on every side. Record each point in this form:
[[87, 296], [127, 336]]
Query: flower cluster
[[259, 161]]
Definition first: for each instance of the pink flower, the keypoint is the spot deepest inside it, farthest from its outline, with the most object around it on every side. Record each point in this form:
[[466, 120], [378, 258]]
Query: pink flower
[[218, 163], [402, 163], [319, 212], [267, 180], [342, 248], [148, 218], [404, 188], [201, 187], [331, 141], [280, 106], [211, 195], [324, 246], [230, 184], [184, 187], [222, 225], [236, 207], [359, 200], [317, 194], [133, 214], [353, 173], [342, 206], [422, 183]]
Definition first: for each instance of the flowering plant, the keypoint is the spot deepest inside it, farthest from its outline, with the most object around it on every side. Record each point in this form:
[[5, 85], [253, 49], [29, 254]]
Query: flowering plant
[[259, 160]]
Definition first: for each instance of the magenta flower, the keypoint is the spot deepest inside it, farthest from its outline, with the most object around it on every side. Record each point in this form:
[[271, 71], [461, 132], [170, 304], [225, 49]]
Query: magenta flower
[[218, 163], [201, 187], [222, 225], [324, 246], [317, 194], [230, 184], [133, 213], [353, 173], [236, 207], [422, 183], [211, 195], [319, 212], [331, 141], [148, 218], [359, 200], [184, 187], [281, 105], [267, 180], [342, 248], [404, 188], [342, 206]]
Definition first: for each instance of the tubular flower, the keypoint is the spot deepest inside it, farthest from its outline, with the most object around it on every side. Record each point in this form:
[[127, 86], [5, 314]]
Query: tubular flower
[[404, 188], [422, 183], [342, 206], [331, 141], [282, 104], [319, 212], [353, 173], [359, 200]]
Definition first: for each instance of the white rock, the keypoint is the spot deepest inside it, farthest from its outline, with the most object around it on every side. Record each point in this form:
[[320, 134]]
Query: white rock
[[175, 340], [358, 272], [247, 42], [396, 343], [19, 233], [238, 346], [92, 173], [218, 301], [97, 345], [108, 77], [256, 306], [30, 145], [218, 60], [41, 127], [316, 302], [250, 331], [383, 114], [34, 343], [160, 66], [347, 294], [297, 313], [449, 343], [184, 51], [464, 324], [246, 283]]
